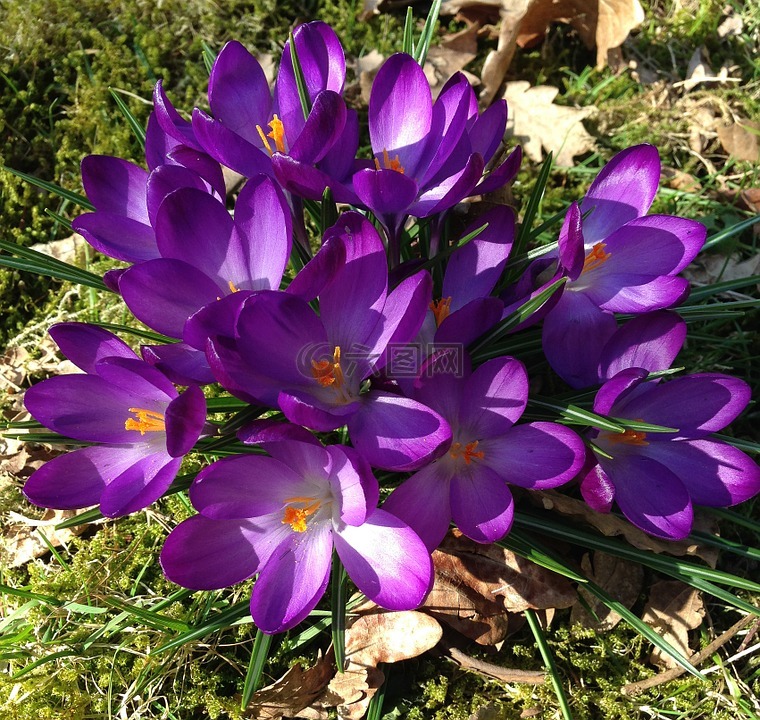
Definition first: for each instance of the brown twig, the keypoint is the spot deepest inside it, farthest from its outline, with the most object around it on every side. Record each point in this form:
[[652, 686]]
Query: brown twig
[[497, 672], [663, 677]]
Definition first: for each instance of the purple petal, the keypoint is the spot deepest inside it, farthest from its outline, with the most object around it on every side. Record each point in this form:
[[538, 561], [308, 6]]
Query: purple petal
[[618, 387], [293, 580], [171, 122], [474, 269], [650, 495], [487, 131], [696, 404], [481, 505], [385, 192], [312, 409], [229, 148], [574, 334], [310, 182], [238, 92], [323, 128], [138, 486], [395, 433], [157, 143], [166, 179], [117, 236], [180, 362], [505, 173], [467, 324], [85, 344], [386, 561], [185, 419], [246, 486], [715, 474], [83, 407], [77, 478], [353, 482], [320, 270], [493, 398], [536, 455], [597, 489], [263, 222], [571, 243], [444, 193], [164, 293], [400, 111], [146, 383], [651, 341], [623, 190], [203, 165], [338, 163], [423, 503], [204, 554], [116, 186]]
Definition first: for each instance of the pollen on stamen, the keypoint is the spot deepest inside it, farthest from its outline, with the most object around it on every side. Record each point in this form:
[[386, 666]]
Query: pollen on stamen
[[277, 134], [297, 517], [630, 437], [388, 164], [441, 309], [596, 258], [231, 286], [468, 453], [145, 421], [326, 373]]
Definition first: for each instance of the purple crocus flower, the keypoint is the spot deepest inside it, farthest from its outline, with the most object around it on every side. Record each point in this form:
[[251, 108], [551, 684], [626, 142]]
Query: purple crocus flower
[[314, 367], [281, 517], [141, 424], [206, 256], [617, 259], [488, 452], [655, 478], [249, 126]]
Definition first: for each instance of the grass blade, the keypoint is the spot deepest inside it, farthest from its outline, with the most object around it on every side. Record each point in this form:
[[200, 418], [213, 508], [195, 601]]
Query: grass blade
[[76, 198], [338, 607], [730, 232], [421, 51], [259, 657], [303, 92], [407, 45], [137, 129], [551, 668]]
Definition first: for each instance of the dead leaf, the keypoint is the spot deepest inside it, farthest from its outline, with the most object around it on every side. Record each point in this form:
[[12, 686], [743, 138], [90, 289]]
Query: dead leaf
[[367, 67], [732, 25], [371, 639], [622, 579], [612, 525], [294, 691], [673, 609], [537, 123], [741, 139], [23, 542], [477, 585], [70, 250], [710, 269]]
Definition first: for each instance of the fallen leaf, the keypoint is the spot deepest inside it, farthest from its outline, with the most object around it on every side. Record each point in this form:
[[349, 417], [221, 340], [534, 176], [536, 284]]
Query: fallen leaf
[[741, 140], [537, 123], [697, 71], [367, 67], [293, 692], [476, 586], [371, 639], [22, 539], [710, 269], [612, 525], [70, 250], [622, 579], [672, 610], [732, 25]]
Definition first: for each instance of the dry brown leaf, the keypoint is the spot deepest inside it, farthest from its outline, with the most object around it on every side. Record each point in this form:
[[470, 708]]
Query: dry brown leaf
[[476, 586], [611, 525], [741, 140], [293, 692], [710, 269], [22, 542], [672, 610], [604, 24], [371, 639], [622, 579], [69, 250], [537, 123]]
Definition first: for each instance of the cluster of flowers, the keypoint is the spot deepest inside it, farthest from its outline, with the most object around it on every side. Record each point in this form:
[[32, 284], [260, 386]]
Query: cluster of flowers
[[328, 345]]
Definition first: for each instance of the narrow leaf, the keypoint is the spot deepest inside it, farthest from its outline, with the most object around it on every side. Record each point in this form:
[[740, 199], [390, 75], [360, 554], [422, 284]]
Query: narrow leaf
[[259, 657], [137, 129], [77, 199]]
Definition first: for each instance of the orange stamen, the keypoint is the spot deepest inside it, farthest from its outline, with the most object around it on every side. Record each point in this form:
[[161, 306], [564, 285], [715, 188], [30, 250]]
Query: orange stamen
[[147, 421], [326, 373], [277, 134], [389, 164], [469, 453], [297, 517], [596, 257], [441, 309], [629, 437], [232, 287]]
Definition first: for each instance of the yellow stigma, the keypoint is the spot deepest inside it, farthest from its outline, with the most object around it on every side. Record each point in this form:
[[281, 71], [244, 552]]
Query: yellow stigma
[[441, 309], [232, 287], [629, 437], [596, 258], [145, 421], [277, 134], [296, 516], [389, 164], [469, 452], [326, 373]]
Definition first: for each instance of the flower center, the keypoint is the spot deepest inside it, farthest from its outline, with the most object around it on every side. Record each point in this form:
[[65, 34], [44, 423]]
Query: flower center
[[629, 437], [297, 517], [326, 373], [389, 164], [145, 421], [441, 309], [596, 258], [469, 452], [277, 134]]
